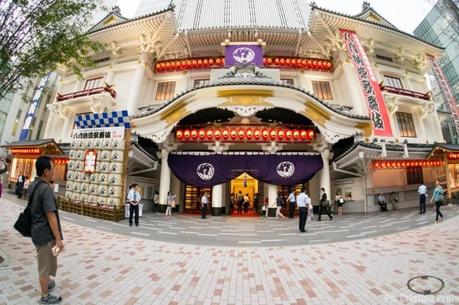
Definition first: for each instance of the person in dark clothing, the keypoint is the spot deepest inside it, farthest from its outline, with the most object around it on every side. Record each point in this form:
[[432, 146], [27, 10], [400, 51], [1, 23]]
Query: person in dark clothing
[[20, 185], [246, 203], [46, 230], [240, 202], [291, 203], [324, 205]]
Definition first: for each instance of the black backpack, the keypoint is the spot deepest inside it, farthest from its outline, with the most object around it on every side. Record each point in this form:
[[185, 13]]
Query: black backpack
[[24, 222]]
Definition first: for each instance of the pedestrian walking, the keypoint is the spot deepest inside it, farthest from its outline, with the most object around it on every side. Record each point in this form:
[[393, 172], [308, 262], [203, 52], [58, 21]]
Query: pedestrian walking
[[339, 200], [20, 185], [26, 188], [156, 202], [246, 203], [303, 201], [437, 197], [204, 204], [240, 202], [324, 205], [280, 204], [46, 229], [291, 203], [382, 203], [134, 200], [265, 208], [169, 201], [422, 190]]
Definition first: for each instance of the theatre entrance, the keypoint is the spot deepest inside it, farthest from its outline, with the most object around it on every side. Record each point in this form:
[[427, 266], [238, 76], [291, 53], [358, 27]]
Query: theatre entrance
[[245, 188]]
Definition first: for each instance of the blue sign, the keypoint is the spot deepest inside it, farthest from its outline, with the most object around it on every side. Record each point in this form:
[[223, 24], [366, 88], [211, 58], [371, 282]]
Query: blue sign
[[36, 99]]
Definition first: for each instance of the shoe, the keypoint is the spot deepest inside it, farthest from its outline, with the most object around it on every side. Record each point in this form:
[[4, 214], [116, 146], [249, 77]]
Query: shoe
[[136, 224], [436, 221], [50, 299], [130, 224], [51, 285]]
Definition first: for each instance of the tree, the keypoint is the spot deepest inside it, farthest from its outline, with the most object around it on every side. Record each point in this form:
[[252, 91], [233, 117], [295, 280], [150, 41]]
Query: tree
[[38, 35]]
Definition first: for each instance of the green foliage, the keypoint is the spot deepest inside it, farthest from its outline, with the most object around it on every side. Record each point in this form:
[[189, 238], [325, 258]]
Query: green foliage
[[36, 36]]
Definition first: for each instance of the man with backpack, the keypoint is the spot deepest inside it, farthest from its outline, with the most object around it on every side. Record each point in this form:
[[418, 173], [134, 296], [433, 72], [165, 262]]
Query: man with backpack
[[46, 230]]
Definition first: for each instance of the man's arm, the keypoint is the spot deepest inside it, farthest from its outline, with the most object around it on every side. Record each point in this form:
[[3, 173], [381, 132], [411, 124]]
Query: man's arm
[[52, 220]]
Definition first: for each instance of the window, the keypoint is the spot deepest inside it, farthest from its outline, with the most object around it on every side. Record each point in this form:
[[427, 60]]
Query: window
[[393, 82], [16, 122], [201, 82], [406, 124], [287, 81], [385, 58], [322, 90], [93, 83], [414, 175], [165, 91]]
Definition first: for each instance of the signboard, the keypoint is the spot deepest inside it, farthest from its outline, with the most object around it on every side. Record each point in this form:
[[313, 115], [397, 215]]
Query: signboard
[[369, 84], [116, 133], [250, 53], [36, 99], [446, 91]]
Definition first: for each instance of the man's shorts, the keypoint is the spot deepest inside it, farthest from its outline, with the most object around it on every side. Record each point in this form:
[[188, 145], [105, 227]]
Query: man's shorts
[[47, 262]]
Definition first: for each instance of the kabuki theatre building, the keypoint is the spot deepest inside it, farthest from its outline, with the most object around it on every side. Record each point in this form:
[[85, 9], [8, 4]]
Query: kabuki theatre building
[[256, 96]]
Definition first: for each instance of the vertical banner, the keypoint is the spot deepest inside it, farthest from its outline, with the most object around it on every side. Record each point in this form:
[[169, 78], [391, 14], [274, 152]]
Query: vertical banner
[[445, 90], [370, 86], [36, 98], [250, 53]]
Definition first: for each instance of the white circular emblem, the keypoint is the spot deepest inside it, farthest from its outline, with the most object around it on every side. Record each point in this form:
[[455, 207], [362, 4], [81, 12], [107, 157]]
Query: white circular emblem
[[285, 169], [243, 53], [205, 171]]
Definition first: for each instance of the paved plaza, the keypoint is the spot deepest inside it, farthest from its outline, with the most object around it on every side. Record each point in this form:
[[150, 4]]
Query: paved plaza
[[356, 259]]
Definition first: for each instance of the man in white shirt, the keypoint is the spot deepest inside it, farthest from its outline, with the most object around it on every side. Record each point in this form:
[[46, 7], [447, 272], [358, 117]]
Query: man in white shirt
[[303, 201], [204, 203], [422, 190], [134, 200], [291, 203]]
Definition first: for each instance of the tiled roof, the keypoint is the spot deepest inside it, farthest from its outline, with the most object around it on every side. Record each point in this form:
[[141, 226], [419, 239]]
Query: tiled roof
[[389, 147], [31, 143], [152, 157], [389, 27], [148, 110]]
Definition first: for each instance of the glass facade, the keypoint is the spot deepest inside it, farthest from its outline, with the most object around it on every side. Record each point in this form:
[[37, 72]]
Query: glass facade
[[441, 27]]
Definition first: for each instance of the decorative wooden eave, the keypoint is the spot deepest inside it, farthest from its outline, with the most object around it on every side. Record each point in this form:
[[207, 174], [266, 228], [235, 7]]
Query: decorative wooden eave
[[441, 148], [112, 18]]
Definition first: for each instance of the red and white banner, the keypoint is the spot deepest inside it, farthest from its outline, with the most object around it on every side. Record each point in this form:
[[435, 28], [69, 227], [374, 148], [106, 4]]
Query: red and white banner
[[445, 90], [370, 86]]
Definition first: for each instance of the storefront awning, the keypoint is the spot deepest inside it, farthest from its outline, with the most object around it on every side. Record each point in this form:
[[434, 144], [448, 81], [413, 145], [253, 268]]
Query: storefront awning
[[441, 148], [44, 146]]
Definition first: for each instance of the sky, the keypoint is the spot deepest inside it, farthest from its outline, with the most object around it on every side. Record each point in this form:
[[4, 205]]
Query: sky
[[404, 14]]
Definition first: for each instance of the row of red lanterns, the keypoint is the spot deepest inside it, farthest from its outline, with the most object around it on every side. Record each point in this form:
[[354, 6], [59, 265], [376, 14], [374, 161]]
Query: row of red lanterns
[[301, 63], [392, 164], [61, 161], [26, 151], [185, 64], [453, 156], [217, 62], [245, 134]]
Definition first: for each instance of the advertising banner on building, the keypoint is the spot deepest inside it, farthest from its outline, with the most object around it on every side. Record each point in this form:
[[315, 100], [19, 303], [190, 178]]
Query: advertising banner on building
[[205, 170], [445, 90], [34, 105], [369, 84], [250, 53]]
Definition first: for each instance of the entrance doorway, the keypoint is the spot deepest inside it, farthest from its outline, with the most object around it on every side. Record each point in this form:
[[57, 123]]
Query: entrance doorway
[[246, 187]]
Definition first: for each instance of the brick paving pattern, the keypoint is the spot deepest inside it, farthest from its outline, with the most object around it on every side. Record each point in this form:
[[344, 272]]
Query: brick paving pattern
[[101, 267]]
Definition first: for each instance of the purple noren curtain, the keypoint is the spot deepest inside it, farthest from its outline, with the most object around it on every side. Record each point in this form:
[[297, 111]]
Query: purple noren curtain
[[206, 170]]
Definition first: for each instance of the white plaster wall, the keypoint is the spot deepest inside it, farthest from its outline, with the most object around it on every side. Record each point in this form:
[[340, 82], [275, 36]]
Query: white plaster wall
[[122, 81]]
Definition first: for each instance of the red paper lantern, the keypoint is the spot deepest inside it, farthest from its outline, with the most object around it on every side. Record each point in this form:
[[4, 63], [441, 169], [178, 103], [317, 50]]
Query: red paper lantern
[[273, 134], [288, 61], [188, 63], [314, 64], [270, 61], [281, 134], [310, 134], [233, 133], [249, 133], [200, 62], [293, 62], [264, 60], [282, 61], [265, 133], [223, 61], [168, 65], [179, 134], [257, 133], [329, 65], [218, 61], [277, 61], [304, 63], [309, 64], [187, 134], [225, 133], [217, 134], [173, 64], [183, 64], [303, 134], [241, 133], [289, 134], [296, 134], [194, 63], [376, 165], [202, 133], [211, 61], [209, 133], [194, 133]]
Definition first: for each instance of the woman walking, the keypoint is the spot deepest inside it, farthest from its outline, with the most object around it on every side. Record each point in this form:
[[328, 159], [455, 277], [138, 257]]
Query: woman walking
[[339, 202], [437, 197], [170, 200], [280, 204], [324, 205]]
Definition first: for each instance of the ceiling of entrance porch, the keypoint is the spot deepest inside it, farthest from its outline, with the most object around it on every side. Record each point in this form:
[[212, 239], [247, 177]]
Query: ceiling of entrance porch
[[332, 124]]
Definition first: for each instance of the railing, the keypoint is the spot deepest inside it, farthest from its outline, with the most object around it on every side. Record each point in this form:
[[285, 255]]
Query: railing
[[406, 92], [87, 92]]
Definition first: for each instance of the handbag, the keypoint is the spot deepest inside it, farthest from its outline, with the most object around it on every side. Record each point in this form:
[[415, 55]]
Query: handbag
[[24, 222], [324, 203]]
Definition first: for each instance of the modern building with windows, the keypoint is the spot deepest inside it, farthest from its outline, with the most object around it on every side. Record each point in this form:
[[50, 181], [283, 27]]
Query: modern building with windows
[[441, 27], [258, 97]]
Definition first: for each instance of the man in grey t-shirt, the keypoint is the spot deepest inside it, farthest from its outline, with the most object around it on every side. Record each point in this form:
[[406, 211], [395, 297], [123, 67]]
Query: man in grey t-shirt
[[46, 228]]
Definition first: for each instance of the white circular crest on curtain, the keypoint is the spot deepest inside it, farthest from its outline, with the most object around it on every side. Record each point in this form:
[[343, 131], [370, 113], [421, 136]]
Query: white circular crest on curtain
[[285, 169], [205, 171]]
